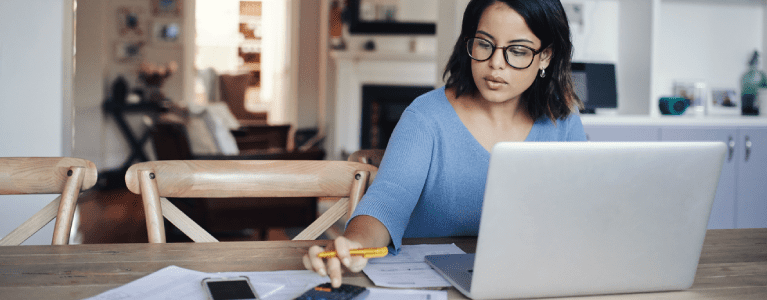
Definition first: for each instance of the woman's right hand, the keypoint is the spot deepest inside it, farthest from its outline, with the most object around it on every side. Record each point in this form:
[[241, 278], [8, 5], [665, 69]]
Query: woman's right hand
[[332, 267]]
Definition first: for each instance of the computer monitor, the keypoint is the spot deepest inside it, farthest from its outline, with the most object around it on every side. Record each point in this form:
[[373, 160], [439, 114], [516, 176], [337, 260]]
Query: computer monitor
[[594, 84]]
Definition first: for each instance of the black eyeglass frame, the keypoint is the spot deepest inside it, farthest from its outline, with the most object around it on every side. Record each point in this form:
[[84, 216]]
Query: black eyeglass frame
[[505, 55]]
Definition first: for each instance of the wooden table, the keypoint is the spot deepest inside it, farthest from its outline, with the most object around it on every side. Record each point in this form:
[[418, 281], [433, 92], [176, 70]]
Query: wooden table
[[733, 265]]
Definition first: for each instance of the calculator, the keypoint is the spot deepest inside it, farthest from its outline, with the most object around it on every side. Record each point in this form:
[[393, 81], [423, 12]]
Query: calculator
[[327, 292]]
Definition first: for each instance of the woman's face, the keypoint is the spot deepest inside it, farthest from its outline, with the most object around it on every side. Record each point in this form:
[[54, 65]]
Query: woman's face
[[496, 80]]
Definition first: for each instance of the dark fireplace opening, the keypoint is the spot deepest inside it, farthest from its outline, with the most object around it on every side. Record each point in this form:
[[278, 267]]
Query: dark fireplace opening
[[382, 106]]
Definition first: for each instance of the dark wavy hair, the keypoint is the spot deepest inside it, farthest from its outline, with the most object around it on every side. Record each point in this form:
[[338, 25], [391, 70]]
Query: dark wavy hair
[[553, 95]]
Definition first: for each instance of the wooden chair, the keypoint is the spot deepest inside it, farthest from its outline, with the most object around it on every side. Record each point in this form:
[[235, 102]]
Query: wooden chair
[[46, 175], [156, 180], [368, 156]]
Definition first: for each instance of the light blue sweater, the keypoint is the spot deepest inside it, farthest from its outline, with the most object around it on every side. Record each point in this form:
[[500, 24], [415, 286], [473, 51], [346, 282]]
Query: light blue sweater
[[432, 177]]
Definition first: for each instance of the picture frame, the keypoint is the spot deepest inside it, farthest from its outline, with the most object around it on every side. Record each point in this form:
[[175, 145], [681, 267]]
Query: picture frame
[[167, 8], [132, 22], [724, 101], [695, 92], [128, 51], [166, 33]]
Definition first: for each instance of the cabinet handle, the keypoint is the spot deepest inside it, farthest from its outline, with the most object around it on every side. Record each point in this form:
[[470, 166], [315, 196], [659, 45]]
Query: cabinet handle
[[748, 147], [731, 148]]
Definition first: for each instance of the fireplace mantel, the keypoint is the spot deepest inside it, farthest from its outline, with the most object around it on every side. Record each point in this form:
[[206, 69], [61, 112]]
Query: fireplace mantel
[[355, 69]]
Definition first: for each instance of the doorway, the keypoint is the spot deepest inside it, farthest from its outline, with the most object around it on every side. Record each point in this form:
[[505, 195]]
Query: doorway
[[231, 39]]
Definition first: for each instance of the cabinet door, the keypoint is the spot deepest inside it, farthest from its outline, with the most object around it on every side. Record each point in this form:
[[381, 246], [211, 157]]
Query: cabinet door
[[597, 133], [723, 211], [752, 178]]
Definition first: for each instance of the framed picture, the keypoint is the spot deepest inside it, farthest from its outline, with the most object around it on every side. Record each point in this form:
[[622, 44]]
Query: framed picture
[[724, 102], [132, 22], [695, 92], [166, 33], [166, 8], [129, 51]]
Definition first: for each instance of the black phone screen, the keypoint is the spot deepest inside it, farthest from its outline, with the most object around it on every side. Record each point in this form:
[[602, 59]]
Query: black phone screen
[[228, 290]]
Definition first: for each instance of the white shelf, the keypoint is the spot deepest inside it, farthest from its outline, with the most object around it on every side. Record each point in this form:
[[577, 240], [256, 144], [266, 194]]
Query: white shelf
[[382, 56], [707, 121]]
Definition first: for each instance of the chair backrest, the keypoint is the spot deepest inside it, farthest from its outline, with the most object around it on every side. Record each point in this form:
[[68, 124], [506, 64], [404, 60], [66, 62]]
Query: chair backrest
[[368, 156], [156, 180], [46, 175]]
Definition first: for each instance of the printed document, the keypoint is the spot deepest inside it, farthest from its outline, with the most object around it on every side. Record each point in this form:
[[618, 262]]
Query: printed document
[[408, 268]]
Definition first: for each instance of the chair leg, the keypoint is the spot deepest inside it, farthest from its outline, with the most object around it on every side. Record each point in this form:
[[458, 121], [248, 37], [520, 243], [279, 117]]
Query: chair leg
[[67, 206], [152, 209]]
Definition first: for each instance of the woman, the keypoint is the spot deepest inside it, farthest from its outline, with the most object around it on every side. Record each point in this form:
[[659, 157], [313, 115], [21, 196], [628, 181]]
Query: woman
[[509, 80]]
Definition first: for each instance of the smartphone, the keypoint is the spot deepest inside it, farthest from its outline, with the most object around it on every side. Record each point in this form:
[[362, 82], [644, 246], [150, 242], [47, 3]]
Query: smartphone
[[230, 288]]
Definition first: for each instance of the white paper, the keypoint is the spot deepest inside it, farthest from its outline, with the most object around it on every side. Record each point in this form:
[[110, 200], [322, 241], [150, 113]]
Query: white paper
[[178, 283], [396, 294], [408, 268], [168, 283]]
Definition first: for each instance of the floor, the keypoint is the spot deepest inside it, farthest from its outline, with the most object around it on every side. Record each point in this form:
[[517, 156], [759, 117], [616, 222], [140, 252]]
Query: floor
[[117, 216]]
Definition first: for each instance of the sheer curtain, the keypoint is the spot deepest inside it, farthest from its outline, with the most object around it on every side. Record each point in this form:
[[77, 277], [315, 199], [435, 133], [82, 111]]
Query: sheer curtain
[[276, 58]]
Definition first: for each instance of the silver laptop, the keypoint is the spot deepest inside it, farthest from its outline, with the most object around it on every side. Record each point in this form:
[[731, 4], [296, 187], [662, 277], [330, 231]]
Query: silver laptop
[[585, 218]]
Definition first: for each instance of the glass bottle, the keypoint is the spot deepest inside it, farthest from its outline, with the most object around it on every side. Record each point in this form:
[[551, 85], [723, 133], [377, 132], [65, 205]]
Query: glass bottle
[[751, 82]]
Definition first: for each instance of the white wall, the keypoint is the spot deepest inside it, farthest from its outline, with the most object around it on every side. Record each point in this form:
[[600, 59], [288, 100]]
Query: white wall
[[706, 42], [96, 135], [89, 84], [595, 39], [308, 64], [30, 96]]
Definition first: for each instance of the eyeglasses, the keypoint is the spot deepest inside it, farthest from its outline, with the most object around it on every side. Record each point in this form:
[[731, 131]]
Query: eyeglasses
[[517, 56]]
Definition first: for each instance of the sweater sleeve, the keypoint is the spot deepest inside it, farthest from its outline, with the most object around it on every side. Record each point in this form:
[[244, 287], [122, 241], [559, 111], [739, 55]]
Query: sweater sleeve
[[397, 188], [575, 131]]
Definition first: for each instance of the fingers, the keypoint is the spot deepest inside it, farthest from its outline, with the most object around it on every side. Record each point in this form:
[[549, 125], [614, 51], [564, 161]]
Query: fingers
[[342, 250], [334, 272], [332, 267], [314, 263], [353, 263], [357, 264]]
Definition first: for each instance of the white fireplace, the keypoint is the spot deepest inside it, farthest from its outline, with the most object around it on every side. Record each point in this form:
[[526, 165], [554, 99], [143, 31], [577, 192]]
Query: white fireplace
[[355, 69]]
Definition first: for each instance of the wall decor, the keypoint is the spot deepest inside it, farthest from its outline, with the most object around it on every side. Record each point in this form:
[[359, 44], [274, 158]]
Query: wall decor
[[166, 33], [132, 21], [166, 8], [128, 51]]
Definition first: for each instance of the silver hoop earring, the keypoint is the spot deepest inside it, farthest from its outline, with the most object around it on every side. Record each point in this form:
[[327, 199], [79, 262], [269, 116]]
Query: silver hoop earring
[[543, 73]]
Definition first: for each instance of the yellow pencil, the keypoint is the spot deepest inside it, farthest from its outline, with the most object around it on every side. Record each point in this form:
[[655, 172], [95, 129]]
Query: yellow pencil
[[364, 252]]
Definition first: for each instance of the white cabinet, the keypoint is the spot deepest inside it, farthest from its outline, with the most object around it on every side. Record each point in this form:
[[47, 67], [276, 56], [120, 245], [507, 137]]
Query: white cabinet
[[723, 211], [616, 133], [741, 196], [752, 178]]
